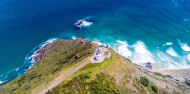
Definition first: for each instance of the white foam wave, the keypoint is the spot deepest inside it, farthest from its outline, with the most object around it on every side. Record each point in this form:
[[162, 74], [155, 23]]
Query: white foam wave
[[122, 49], [73, 37], [172, 52], [138, 53], [1, 82], [188, 57], [39, 47], [17, 69], [170, 63], [27, 63], [168, 43], [141, 54], [184, 46], [48, 41], [98, 42]]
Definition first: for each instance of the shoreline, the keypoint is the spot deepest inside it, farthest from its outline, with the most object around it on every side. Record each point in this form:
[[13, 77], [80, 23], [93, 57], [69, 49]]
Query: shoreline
[[27, 64], [37, 54], [182, 75], [178, 74]]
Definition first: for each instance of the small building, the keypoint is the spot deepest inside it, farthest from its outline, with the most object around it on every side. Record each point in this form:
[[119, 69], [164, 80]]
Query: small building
[[97, 58], [98, 52]]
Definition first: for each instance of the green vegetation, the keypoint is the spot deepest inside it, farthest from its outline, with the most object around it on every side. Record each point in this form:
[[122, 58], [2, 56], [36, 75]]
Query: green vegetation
[[99, 78], [187, 82], [115, 75], [164, 92], [154, 88], [145, 81], [144, 86], [103, 84], [59, 58], [159, 74]]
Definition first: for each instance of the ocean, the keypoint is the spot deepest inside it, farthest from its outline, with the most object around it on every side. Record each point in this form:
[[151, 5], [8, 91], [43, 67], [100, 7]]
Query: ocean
[[155, 31]]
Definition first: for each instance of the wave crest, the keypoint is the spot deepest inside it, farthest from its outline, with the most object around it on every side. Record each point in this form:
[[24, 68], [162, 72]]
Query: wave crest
[[184, 46], [122, 49], [172, 52]]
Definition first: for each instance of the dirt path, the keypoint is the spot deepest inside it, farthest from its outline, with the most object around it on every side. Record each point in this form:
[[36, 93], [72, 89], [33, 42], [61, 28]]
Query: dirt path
[[58, 81], [55, 83]]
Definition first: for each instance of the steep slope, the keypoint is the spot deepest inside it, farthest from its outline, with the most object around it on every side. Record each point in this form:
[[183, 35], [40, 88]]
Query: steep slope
[[115, 75], [59, 58]]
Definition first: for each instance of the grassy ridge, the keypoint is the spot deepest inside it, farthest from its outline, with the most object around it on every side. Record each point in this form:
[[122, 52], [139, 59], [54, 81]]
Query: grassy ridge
[[103, 84], [115, 75], [98, 78], [59, 58]]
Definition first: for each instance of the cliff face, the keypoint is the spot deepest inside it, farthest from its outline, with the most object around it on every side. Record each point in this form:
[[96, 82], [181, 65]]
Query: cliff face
[[57, 59], [115, 75]]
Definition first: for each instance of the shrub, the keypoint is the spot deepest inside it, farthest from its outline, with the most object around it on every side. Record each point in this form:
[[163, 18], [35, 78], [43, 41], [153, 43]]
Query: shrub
[[21, 78], [188, 83], [32, 76], [13, 89], [165, 92], [154, 88], [169, 76], [157, 73], [27, 87], [55, 70], [145, 81]]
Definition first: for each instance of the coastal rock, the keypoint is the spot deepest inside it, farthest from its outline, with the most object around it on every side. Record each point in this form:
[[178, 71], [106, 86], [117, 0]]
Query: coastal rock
[[38, 55]]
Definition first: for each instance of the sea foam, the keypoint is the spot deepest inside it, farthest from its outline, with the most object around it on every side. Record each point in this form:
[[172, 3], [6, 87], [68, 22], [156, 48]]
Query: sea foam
[[169, 63], [73, 37], [188, 57], [6, 77], [98, 42], [168, 43], [172, 52], [1, 82], [35, 50], [141, 54], [184, 46], [122, 49]]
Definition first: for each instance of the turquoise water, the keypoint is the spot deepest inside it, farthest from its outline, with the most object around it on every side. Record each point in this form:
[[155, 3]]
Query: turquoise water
[[143, 30]]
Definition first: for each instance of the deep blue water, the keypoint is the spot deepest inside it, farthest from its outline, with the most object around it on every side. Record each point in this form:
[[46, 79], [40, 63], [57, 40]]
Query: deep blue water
[[141, 28]]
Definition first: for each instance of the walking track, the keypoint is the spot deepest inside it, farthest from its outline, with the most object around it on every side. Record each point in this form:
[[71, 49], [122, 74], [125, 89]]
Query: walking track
[[58, 81]]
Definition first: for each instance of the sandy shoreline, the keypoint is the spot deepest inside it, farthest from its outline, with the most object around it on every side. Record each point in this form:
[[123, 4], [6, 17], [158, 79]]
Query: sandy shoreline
[[178, 74]]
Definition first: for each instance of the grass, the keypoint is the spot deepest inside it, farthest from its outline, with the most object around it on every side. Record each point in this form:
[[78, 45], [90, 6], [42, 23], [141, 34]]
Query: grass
[[101, 78], [59, 58], [104, 84], [115, 75]]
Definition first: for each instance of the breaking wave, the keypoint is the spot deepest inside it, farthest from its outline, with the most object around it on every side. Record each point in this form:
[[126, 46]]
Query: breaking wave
[[172, 52], [139, 53], [123, 49], [168, 43], [184, 46]]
